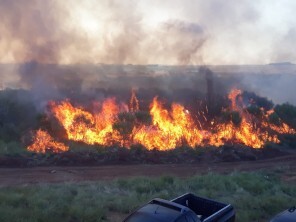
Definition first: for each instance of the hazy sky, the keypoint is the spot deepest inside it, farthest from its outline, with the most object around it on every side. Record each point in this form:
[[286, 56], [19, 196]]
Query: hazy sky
[[148, 31]]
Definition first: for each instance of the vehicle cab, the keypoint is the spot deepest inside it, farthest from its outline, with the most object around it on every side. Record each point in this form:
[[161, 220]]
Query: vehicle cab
[[159, 210]]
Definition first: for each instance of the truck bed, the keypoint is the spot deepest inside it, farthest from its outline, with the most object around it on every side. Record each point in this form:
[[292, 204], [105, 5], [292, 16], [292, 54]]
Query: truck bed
[[207, 210]]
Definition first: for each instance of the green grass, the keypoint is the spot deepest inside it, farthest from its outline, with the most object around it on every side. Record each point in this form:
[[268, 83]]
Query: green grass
[[255, 196]]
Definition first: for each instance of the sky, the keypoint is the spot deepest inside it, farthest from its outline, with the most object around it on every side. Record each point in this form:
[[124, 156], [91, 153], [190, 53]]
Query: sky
[[172, 32]]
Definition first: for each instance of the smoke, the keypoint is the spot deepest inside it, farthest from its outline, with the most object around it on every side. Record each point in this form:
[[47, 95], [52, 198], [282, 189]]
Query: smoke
[[191, 32], [31, 30], [90, 32], [146, 32], [280, 87]]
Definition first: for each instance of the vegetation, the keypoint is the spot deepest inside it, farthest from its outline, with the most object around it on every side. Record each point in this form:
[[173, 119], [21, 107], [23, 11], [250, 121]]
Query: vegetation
[[258, 101], [19, 116], [232, 116], [256, 197], [287, 113]]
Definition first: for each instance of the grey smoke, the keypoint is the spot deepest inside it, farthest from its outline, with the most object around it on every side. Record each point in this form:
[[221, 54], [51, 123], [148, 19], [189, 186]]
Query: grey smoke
[[146, 32], [188, 32]]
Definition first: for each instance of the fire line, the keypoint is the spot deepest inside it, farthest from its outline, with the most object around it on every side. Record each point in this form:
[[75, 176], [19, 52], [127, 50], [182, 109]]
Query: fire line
[[169, 128]]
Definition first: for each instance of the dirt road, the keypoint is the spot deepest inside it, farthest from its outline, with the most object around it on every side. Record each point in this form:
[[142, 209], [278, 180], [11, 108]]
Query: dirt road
[[28, 176]]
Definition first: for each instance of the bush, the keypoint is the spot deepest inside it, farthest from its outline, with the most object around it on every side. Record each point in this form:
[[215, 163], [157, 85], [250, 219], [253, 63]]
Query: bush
[[17, 114], [236, 118], [255, 111], [287, 113], [274, 119], [257, 101]]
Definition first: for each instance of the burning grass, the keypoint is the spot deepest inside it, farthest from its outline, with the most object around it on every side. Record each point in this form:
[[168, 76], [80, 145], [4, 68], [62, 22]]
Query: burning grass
[[256, 196], [110, 123], [44, 142], [118, 124]]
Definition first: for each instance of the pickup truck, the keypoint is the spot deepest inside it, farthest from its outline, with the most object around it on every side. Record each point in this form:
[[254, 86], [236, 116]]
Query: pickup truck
[[191, 208], [186, 208]]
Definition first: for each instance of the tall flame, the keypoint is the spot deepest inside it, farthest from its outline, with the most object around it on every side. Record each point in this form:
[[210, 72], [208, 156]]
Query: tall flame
[[169, 129], [246, 133], [134, 102], [232, 96]]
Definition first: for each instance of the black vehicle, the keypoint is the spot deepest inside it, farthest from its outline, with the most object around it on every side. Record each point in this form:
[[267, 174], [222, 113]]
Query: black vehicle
[[286, 216], [186, 208]]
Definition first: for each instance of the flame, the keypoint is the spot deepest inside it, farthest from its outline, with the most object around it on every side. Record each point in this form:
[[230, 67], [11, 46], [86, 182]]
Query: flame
[[134, 102], [283, 129], [246, 133], [232, 96], [81, 125], [170, 128], [44, 142]]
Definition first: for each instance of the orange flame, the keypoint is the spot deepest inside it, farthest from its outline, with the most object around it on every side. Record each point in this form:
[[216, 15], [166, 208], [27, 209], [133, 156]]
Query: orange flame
[[81, 125], [170, 128], [134, 102], [44, 142], [232, 96], [246, 133]]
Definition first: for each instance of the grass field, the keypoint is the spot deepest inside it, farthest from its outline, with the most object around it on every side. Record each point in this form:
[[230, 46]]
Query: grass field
[[256, 197]]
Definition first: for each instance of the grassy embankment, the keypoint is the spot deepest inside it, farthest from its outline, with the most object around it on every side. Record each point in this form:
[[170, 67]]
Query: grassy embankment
[[256, 197]]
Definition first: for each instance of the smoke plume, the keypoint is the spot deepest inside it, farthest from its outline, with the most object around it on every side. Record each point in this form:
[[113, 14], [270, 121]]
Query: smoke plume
[[57, 34], [146, 32]]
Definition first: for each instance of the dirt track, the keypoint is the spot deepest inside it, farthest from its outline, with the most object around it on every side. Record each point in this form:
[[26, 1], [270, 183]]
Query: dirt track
[[27, 176]]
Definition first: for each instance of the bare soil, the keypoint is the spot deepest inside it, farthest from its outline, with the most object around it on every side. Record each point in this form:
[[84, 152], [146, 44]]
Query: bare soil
[[61, 174]]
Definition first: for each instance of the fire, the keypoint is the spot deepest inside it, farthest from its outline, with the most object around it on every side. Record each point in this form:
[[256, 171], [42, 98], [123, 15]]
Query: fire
[[246, 133], [170, 128], [83, 126], [134, 102], [44, 142], [232, 96], [283, 129]]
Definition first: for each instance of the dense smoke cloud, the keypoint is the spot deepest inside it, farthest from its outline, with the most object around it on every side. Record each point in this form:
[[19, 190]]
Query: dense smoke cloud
[[91, 32], [143, 32], [40, 37], [31, 30]]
